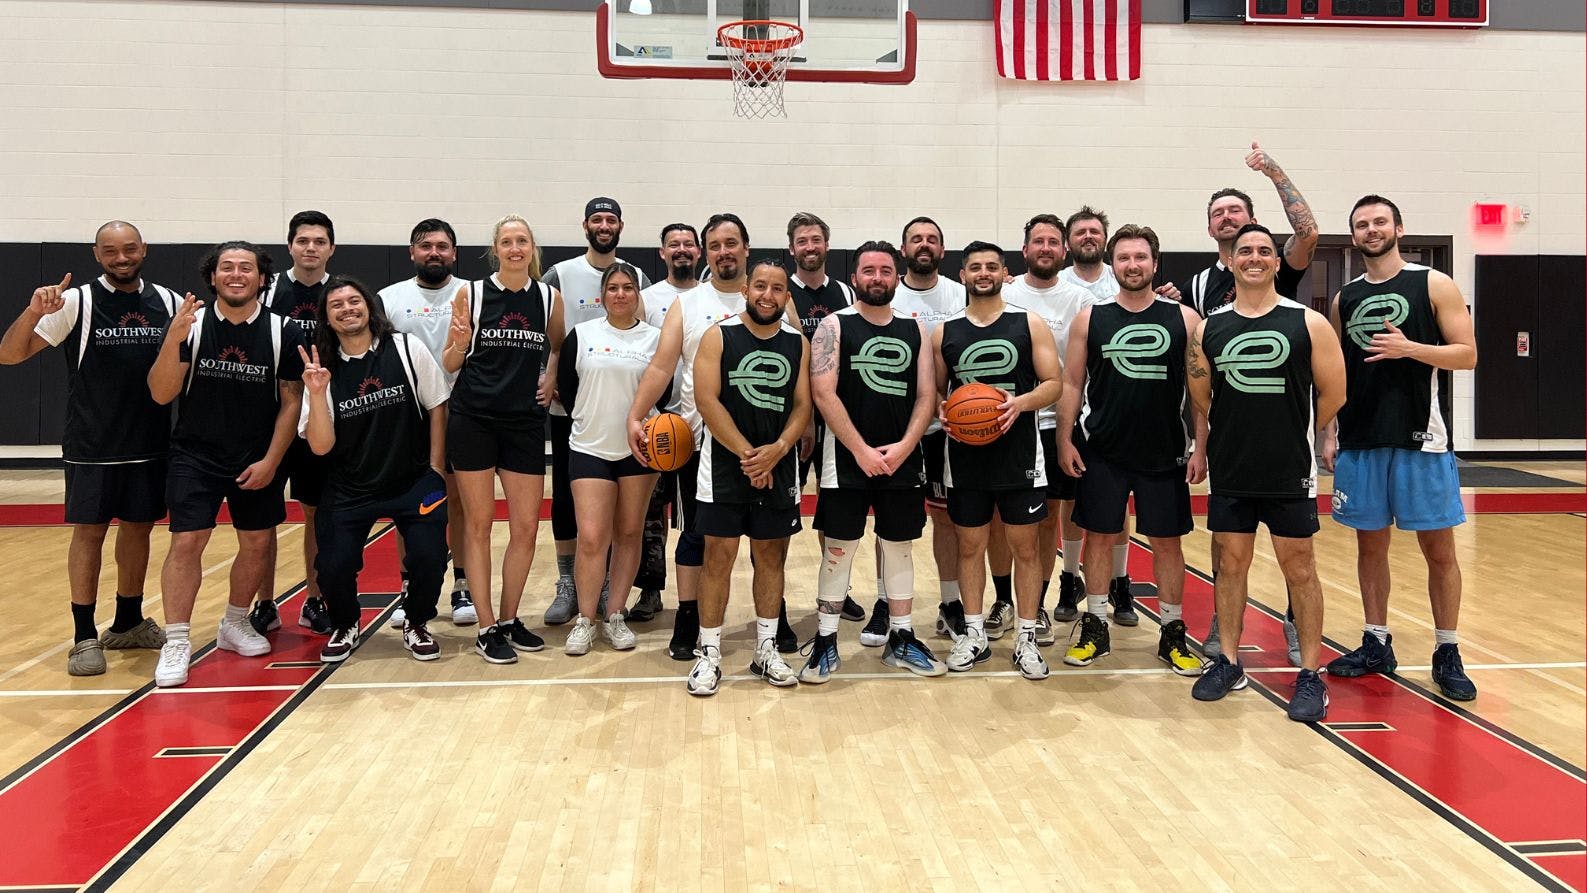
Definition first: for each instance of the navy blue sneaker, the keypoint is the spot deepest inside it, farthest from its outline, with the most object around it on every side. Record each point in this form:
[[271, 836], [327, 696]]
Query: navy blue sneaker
[[1220, 678], [1372, 657], [1450, 674], [824, 660], [315, 616], [264, 617], [1310, 703], [905, 652]]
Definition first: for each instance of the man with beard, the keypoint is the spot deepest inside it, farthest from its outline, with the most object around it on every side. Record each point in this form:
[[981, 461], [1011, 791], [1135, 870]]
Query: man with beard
[[579, 280], [926, 296], [751, 384], [1087, 233], [871, 372], [116, 435], [422, 307], [1401, 324], [236, 368]]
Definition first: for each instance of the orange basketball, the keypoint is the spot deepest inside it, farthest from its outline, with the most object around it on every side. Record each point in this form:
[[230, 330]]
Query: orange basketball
[[668, 441], [971, 413]]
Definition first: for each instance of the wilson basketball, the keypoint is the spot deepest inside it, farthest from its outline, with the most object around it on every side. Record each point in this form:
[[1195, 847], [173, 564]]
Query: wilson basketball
[[668, 441], [971, 413]]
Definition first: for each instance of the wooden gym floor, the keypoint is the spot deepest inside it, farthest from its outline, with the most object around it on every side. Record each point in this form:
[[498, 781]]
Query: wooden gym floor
[[601, 773]]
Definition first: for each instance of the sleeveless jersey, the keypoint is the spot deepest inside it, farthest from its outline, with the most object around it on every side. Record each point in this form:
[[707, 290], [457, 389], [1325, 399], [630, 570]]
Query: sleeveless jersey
[[1391, 403], [701, 308], [1057, 305], [379, 399], [506, 354], [226, 414], [877, 385], [1260, 444], [297, 301], [758, 382], [1132, 410], [997, 354], [658, 299], [812, 305]]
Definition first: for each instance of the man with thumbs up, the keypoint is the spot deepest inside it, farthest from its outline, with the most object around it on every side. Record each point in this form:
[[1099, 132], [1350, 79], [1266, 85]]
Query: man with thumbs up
[[116, 435]]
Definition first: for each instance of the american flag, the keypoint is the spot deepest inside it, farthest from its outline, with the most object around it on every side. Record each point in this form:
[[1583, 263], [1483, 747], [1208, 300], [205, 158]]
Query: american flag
[[1069, 40]]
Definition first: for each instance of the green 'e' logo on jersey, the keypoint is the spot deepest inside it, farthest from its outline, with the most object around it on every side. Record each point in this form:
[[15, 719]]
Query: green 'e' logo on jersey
[[1254, 352], [1370, 315], [881, 357], [988, 359], [1138, 341], [761, 369]]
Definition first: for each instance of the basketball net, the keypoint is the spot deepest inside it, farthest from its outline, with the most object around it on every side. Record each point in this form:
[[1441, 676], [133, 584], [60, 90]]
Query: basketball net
[[758, 53]]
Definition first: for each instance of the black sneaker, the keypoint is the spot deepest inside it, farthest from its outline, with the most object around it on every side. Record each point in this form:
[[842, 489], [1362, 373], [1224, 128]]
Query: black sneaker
[[463, 612], [648, 606], [491, 644], [519, 636], [264, 617], [1070, 590], [1094, 642], [824, 660], [1372, 657], [1123, 603], [787, 641], [1310, 703], [1172, 650], [1220, 678], [950, 619], [315, 616], [685, 631], [852, 609], [874, 635], [1450, 674]]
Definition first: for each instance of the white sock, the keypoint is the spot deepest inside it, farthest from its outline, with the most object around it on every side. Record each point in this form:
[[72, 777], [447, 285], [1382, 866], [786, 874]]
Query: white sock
[[1098, 605], [949, 590], [881, 588], [1027, 626], [1446, 637], [1121, 557], [711, 636], [235, 614], [765, 630], [826, 623], [1072, 556], [1170, 613], [975, 623], [905, 620], [177, 632], [1381, 633]]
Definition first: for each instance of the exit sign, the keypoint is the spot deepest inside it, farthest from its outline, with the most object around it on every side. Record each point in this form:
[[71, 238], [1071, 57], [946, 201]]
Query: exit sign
[[1405, 13]]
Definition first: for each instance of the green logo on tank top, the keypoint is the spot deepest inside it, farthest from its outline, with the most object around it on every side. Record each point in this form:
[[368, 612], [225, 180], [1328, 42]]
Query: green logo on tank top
[[1254, 352], [1370, 315], [761, 369], [881, 357], [1138, 341], [988, 359]]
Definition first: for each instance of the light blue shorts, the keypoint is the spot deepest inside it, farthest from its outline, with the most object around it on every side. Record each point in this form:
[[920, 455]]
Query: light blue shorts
[[1411, 489]]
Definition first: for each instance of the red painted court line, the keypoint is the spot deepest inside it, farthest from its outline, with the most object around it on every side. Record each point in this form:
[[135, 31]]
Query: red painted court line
[[67, 818]]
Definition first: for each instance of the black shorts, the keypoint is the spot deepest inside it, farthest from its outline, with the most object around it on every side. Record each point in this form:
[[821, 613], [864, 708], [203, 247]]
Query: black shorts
[[1162, 500], [564, 522], [1295, 518], [194, 496], [475, 444], [584, 465], [132, 491], [686, 481], [1059, 484], [756, 521], [305, 471], [900, 514], [974, 508], [935, 446]]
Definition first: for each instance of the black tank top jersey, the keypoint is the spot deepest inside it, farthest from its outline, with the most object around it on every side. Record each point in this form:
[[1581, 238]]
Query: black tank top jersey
[[226, 414], [814, 304], [297, 301], [1214, 287], [382, 430], [1391, 403], [877, 385], [110, 416], [1133, 408], [998, 354], [758, 382], [507, 353], [1260, 444]]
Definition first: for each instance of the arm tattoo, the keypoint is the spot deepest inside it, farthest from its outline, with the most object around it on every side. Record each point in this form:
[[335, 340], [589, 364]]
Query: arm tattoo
[[823, 353], [1295, 208], [1197, 370]]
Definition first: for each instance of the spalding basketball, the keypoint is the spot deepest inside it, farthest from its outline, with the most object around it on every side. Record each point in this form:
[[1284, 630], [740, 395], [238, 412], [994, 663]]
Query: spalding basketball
[[668, 441], [971, 413]]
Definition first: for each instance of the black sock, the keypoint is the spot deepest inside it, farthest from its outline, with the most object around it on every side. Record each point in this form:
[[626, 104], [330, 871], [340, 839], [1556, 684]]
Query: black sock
[[83, 623], [1005, 587], [129, 613], [687, 608], [1041, 600], [457, 572]]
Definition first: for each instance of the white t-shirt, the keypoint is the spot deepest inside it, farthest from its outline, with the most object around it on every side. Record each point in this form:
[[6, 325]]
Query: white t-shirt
[[1057, 305], [607, 363], [658, 299], [424, 313], [701, 307], [1106, 286], [429, 381], [931, 306], [580, 285]]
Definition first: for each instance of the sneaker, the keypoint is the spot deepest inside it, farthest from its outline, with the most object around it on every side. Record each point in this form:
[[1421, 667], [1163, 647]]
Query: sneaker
[[1212, 645], [905, 652], [172, 668], [580, 637], [968, 650], [239, 636], [339, 645], [1027, 657], [1094, 642], [770, 666], [824, 660], [492, 645], [1291, 639], [1044, 631], [87, 658], [787, 640], [519, 636], [145, 635], [999, 620], [1123, 602], [874, 635], [419, 642], [1450, 674], [646, 609], [1218, 679], [1310, 703], [316, 616], [685, 632], [706, 674], [1372, 657], [617, 633], [852, 609], [399, 616], [564, 605], [1071, 587], [950, 619], [1172, 650], [463, 612], [264, 617]]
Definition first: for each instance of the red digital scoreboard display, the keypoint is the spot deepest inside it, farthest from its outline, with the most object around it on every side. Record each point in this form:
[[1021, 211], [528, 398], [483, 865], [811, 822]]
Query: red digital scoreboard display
[[1405, 13]]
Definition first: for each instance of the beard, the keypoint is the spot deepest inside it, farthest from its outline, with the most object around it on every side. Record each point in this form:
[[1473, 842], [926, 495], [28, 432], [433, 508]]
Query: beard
[[726, 269], [1389, 244], [1044, 268], [433, 273], [923, 264], [877, 295], [231, 301], [129, 279], [975, 291], [812, 262], [1086, 255], [754, 314], [603, 245], [1133, 281], [682, 267]]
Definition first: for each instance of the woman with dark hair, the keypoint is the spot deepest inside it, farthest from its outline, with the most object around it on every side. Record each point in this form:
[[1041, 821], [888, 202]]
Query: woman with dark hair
[[374, 408]]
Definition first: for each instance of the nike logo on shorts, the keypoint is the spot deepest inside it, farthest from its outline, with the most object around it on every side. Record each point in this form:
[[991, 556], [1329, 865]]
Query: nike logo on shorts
[[1033, 510], [429, 503]]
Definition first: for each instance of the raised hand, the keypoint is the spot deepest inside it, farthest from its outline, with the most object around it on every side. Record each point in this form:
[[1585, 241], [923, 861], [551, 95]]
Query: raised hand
[[47, 298], [186, 316], [316, 378], [1260, 161], [461, 332]]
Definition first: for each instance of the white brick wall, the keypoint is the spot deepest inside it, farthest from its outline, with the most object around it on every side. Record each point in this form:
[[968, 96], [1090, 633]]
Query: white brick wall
[[203, 120]]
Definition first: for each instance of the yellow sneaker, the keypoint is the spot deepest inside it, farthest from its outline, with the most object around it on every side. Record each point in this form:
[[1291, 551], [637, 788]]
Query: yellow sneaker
[[1171, 649], [1093, 642]]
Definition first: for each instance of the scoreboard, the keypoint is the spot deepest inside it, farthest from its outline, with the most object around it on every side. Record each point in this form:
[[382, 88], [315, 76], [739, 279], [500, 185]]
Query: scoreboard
[[1412, 13]]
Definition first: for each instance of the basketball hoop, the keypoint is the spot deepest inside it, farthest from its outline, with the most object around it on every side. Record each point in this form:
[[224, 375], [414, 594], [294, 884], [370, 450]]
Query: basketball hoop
[[759, 52]]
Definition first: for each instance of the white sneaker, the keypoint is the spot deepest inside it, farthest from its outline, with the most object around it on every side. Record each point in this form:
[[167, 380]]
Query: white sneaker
[[706, 674], [463, 612], [618, 634], [968, 650], [399, 616], [172, 668], [580, 637], [770, 666], [1027, 657], [239, 636]]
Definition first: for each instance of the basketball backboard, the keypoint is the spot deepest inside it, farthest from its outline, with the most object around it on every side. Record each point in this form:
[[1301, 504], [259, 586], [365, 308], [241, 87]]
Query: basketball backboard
[[847, 41]]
